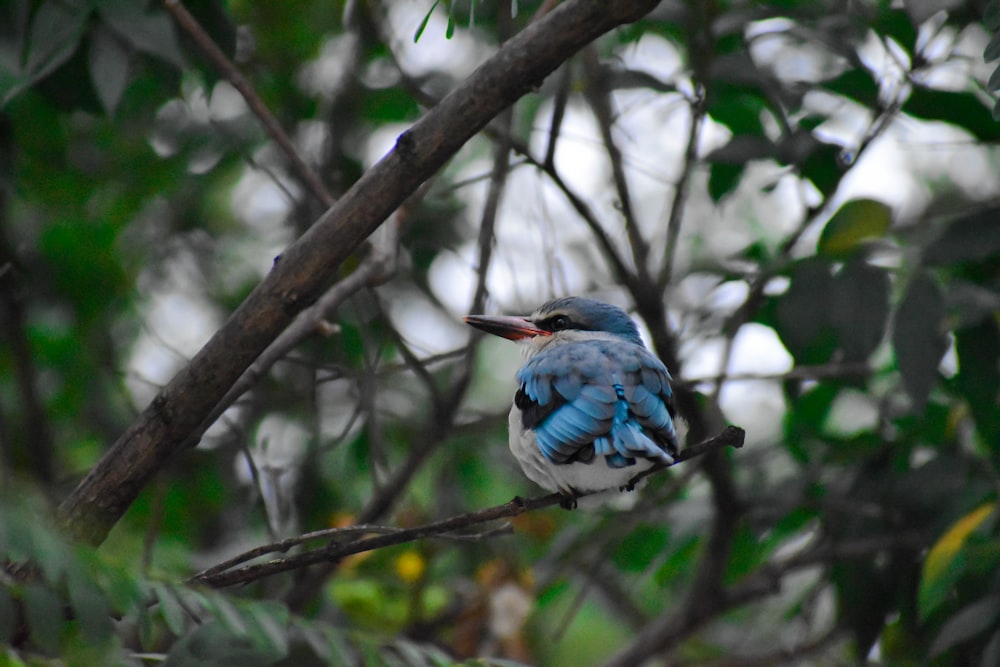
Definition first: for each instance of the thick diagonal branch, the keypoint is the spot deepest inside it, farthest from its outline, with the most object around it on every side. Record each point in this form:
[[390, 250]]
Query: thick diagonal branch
[[307, 267]]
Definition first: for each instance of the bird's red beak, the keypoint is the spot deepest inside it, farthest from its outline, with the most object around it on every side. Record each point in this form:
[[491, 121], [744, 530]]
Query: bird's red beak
[[511, 328]]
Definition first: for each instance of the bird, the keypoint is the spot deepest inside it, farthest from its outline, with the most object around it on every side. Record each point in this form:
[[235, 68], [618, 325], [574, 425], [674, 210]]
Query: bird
[[593, 406]]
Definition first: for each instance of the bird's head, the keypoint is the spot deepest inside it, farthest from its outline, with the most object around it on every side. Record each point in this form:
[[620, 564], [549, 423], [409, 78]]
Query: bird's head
[[572, 317]]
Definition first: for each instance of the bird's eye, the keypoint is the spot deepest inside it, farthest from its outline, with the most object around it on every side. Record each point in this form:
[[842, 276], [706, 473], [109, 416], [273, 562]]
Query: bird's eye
[[559, 322]]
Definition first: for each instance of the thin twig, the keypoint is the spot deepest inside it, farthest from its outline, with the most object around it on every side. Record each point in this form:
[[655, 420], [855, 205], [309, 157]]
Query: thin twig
[[681, 189], [223, 575], [599, 97], [229, 70]]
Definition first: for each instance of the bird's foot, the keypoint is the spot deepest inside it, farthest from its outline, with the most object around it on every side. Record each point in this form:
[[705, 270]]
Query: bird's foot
[[518, 501], [568, 501]]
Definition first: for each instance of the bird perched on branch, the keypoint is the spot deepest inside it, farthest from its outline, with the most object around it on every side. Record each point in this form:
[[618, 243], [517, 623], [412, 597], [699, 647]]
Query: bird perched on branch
[[593, 407]]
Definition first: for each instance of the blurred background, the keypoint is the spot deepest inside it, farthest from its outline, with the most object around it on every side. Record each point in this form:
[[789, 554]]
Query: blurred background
[[797, 202]]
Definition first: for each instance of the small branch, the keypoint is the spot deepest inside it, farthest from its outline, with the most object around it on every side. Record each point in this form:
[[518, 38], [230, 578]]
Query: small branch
[[599, 97], [224, 574], [376, 268], [809, 372], [618, 266], [681, 189], [226, 67]]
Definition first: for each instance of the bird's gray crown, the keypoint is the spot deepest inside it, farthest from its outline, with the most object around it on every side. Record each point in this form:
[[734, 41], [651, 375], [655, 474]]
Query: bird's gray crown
[[579, 313]]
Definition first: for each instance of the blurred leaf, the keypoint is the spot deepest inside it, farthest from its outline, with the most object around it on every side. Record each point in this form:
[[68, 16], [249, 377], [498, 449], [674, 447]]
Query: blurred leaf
[[856, 84], [963, 109], [803, 312], [8, 615], [44, 612], [992, 50], [637, 549], [56, 30], [991, 15], [895, 23], [822, 168], [109, 68], [966, 624], [738, 107], [269, 621], [935, 586], [723, 179], [919, 337], [855, 222], [212, 645], [991, 654], [971, 303], [994, 81], [224, 611], [423, 23], [153, 32], [678, 562], [170, 608], [978, 378], [860, 308], [864, 595], [969, 238], [90, 608]]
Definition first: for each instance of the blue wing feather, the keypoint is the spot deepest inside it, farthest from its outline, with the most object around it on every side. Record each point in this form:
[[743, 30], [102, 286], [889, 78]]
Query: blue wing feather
[[604, 397]]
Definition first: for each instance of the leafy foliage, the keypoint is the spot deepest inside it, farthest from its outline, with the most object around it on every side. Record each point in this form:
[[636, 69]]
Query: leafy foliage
[[797, 199]]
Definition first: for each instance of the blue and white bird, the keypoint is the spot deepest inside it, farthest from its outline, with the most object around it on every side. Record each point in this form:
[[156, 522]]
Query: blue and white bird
[[594, 407]]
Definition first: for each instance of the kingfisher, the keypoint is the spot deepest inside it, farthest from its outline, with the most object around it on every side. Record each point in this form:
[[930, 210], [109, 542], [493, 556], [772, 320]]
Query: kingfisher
[[593, 407]]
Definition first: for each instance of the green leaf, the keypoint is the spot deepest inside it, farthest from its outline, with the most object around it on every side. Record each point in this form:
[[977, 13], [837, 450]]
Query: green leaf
[[738, 107], [152, 32], [919, 337], [991, 16], [942, 566], [723, 179], [423, 24], [855, 222], [822, 167], [109, 68], [55, 33], [966, 624], [856, 84], [53, 37], [8, 614], [803, 313], [992, 50], [978, 378], [994, 82], [90, 608], [970, 238], [211, 644], [268, 621], [965, 110], [170, 608], [44, 612], [637, 550], [859, 308]]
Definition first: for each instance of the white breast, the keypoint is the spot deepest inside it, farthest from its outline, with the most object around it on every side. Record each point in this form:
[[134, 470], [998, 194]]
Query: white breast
[[567, 478]]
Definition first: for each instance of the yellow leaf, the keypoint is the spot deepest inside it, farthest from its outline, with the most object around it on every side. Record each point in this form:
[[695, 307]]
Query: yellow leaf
[[854, 223], [943, 552]]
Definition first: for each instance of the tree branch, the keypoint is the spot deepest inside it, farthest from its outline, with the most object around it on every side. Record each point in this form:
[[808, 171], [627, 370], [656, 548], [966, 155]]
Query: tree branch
[[302, 273], [224, 574], [271, 125]]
